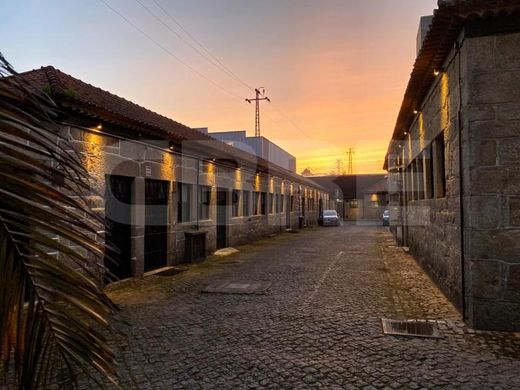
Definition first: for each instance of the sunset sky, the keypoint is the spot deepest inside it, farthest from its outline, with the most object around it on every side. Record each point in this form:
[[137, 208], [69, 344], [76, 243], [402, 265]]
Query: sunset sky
[[335, 70]]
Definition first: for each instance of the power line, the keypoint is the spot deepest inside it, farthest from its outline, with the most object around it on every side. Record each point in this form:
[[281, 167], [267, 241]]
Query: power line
[[291, 121], [188, 66], [203, 47], [230, 72], [169, 52], [199, 52], [222, 67]]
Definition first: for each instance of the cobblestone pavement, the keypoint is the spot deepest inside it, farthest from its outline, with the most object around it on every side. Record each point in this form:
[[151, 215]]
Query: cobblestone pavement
[[319, 326]]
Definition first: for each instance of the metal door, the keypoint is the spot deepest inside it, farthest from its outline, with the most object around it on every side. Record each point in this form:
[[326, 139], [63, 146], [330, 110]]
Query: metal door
[[222, 201], [118, 206], [156, 224]]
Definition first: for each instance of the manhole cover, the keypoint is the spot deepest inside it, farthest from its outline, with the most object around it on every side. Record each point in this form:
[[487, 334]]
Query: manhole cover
[[170, 272], [237, 288], [411, 328]]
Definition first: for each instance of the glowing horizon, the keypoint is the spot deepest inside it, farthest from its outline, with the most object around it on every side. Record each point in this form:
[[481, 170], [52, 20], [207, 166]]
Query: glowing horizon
[[337, 69]]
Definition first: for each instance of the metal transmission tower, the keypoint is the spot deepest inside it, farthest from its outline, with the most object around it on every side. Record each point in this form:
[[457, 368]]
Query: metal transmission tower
[[339, 163], [350, 154], [259, 96]]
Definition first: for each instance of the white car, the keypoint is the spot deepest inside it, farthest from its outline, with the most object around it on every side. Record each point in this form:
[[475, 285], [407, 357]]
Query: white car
[[386, 218], [329, 218]]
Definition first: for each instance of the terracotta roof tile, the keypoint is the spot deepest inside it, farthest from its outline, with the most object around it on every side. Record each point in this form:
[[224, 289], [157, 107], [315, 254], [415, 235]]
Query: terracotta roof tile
[[75, 94]]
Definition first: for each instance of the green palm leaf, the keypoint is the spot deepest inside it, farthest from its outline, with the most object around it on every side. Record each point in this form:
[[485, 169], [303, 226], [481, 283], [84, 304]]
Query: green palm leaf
[[53, 310]]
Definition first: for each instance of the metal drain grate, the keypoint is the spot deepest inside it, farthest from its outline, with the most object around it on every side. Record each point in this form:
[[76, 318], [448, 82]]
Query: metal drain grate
[[411, 328]]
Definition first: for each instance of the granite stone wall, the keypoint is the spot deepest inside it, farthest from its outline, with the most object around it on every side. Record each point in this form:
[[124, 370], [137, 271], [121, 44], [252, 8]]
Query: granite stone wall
[[492, 181], [105, 155], [474, 105], [431, 222]]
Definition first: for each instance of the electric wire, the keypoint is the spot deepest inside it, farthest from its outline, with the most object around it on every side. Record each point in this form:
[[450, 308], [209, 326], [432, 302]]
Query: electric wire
[[198, 51], [191, 68], [167, 51], [203, 47]]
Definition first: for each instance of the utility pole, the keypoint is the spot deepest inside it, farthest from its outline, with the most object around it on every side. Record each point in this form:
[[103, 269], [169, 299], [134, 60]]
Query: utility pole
[[350, 154], [259, 96], [338, 167]]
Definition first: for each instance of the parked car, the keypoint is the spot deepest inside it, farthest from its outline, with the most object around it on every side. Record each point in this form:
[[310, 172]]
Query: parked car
[[329, 218], [386, 218]]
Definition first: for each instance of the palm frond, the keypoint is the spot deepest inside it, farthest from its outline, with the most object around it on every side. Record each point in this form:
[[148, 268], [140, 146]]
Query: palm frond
[[52, 307]]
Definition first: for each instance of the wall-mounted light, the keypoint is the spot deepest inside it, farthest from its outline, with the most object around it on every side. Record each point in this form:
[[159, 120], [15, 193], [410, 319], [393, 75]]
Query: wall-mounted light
[[171, 145], [99, 127], [415, 112], [399, 146], [405, 133], [436, 72]]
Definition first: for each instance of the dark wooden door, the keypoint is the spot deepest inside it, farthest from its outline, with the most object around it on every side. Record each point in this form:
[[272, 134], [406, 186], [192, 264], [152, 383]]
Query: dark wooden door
[[287, 211], [118, 212], [222, 202], [156, 224]]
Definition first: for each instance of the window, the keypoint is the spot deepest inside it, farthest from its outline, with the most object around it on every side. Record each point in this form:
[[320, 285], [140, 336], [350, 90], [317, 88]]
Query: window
[[431, 173], [235, 203], [245, 203], [263, 202], [184, 202], [256, 203], [428, 172], [420, 177], [271, 203], [411, 178], [439, 173], [292, 203], [204, 201], [279, 203]]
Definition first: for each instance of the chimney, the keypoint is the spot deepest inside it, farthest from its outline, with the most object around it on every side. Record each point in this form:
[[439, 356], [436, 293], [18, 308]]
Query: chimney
[[424, 27]]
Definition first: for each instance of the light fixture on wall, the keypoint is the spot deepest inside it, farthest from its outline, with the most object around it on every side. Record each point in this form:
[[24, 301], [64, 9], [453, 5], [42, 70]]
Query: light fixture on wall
[[416, 111], [405, 133], [171, 145], [436, 72], [99, 127]]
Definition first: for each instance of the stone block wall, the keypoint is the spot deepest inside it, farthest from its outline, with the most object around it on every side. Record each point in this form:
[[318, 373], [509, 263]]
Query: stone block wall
[[430, 223], [475, 105], [104, 155], [492, 181]]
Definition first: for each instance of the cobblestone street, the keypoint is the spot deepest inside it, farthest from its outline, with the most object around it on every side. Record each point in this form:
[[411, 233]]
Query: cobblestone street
[[318, 326]]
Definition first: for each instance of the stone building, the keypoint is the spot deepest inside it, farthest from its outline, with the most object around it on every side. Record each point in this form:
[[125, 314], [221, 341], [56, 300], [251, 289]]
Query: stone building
[[158, 182], [363, 196], [454, 160]]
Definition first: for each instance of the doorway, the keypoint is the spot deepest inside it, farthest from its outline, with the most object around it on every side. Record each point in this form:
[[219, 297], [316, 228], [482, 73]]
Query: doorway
[[118, 212], [222, 201], [287, 211], [156, 224]]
